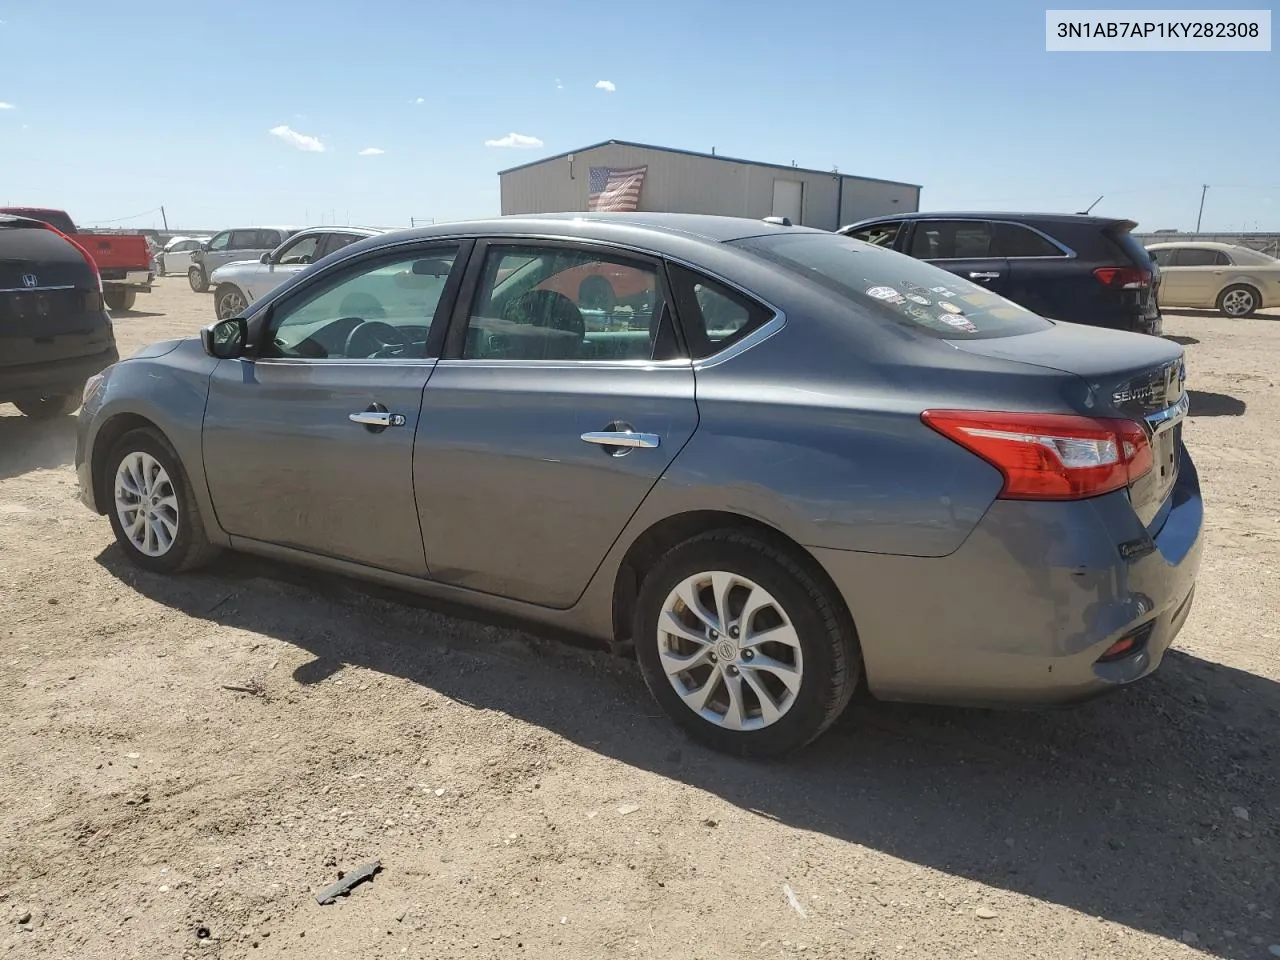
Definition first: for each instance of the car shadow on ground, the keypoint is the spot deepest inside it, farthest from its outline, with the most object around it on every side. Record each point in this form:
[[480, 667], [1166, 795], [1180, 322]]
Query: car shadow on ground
[[27, 444], [1154, 808], [1182, 341], [134, 314], [1214, 404]]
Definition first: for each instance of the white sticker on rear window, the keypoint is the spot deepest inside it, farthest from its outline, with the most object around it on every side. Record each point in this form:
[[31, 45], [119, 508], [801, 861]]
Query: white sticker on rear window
[[960, 323], [885, 293], [949, 307]]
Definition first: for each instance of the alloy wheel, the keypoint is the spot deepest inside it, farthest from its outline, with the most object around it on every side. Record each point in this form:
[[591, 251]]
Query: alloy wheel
[[146, 504], [1237, 303], [730, 651], [231, 304]]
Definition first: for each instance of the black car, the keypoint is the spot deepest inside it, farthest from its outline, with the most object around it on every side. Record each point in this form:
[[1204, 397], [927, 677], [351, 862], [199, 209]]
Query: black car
[[55, 332], [1080, 269]]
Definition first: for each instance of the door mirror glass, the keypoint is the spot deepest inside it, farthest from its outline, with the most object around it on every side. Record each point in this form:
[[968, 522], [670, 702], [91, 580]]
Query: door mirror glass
[[226, 339]]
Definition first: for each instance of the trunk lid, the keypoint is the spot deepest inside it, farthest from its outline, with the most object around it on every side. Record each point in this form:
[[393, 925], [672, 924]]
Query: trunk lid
[[1129, 376]]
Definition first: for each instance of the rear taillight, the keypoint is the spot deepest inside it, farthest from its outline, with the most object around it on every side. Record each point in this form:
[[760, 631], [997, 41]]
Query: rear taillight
[[1050, 456], [1123, 278], [83, 252]]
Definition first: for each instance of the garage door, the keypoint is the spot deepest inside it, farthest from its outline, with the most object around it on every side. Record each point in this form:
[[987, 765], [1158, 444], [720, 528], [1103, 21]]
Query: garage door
[[788, 199]]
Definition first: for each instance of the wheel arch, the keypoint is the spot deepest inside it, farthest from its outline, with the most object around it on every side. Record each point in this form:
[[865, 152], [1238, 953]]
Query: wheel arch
[[671, 531], [105, 441]]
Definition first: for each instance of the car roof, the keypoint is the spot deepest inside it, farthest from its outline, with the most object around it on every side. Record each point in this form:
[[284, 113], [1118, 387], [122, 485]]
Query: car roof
[[367, 231], [612, 226], [990, 215], [1209, 244]]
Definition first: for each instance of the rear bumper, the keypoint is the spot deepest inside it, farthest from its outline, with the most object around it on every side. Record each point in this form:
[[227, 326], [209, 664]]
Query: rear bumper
[[53, 378], [1022, 611], [133, 279]]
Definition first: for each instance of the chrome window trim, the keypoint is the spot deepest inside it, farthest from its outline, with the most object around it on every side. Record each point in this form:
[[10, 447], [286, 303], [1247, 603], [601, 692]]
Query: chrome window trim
[[1067, 252]]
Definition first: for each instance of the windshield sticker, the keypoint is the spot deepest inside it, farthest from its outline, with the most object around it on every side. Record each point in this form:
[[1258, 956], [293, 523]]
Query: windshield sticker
[[960, 323], [887, 294], [943, 291], [916, 298], [949, 307]]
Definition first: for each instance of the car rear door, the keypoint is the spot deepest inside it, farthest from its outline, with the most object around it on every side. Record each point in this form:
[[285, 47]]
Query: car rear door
[[309, 444], [1201, 272], [1044, 276], [548, 419], [964, 247]]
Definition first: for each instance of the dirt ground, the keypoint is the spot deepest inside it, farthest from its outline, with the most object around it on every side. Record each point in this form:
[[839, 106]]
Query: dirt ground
[[526, 799]]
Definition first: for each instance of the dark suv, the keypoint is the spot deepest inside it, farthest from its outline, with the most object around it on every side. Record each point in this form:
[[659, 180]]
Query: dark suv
[[1080, 269], [55, 332]]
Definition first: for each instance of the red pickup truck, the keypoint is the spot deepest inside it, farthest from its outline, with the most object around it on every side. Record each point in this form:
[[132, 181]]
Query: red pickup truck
[[124, 260]]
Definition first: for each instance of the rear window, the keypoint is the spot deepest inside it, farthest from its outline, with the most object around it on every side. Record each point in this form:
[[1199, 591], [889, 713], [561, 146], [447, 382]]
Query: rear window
[[1127, 242], [897, 288]]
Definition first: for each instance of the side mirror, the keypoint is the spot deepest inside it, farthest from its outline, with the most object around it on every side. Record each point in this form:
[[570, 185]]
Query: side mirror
[[265, 258], [226, 339]]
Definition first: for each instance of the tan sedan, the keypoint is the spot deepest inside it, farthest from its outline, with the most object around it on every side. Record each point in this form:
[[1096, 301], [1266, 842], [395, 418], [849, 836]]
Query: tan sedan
[[1232, 279]]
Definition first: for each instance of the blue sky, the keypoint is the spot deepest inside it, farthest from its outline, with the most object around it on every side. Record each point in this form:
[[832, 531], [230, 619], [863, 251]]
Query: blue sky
[[115, 110]]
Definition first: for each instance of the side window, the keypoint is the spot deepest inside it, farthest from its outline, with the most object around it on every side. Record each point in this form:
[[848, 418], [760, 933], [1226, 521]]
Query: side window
[[243, 240], [339, 240], [951, 240], [1012, 240], [220, 241], [269, 239], [879, 234], [556, 303], [1162, 258], [713, 315], [302, 250], [1200, 257], [381, 310]]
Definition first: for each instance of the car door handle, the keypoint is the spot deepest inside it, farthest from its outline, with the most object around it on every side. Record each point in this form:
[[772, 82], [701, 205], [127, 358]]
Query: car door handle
[[377, 418], [983, 274], [623, 438]]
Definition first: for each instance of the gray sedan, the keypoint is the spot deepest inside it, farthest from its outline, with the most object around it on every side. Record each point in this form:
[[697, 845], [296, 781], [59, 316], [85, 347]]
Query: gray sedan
[[779, 461]]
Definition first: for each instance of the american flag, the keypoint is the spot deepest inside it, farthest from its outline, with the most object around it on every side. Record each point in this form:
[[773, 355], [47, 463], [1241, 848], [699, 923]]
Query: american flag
[[615, 189]]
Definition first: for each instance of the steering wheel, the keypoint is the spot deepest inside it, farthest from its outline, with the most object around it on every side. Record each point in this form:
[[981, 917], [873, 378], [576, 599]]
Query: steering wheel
[[370, 337]]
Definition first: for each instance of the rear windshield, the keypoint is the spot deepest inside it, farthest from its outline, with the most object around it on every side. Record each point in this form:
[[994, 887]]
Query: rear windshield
[[1131, 246], [897, 288]]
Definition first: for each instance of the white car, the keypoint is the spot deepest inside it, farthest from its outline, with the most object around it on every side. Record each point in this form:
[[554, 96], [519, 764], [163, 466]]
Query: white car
[[238, 284], [176, 255], [1226, 277]]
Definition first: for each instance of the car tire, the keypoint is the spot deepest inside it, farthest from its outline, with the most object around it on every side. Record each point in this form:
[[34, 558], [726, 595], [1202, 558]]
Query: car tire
[[47, 408], [143, 470], [229, 301], [160, 266], [1238, 301], [697, 674], [117, 299], [199, 282]]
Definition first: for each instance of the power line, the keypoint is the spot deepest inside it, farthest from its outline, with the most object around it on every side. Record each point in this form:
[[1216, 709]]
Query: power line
[[134, 216]]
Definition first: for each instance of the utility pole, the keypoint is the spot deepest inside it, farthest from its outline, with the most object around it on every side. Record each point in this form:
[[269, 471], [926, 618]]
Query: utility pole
[[1204, 188], [164, 218]]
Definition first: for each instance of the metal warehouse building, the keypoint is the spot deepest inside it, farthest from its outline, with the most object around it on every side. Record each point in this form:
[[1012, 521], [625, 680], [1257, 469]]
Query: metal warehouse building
[[681, 181]]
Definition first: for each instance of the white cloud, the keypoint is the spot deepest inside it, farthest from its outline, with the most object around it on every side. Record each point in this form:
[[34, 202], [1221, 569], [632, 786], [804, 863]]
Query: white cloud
[[559, 85], [7, 106], [517, 140], [419, 100], [608, 86], [372, 152], [302, 141]]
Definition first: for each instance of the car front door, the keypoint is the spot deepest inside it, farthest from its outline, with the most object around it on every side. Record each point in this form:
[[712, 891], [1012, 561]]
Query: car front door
[[309, 442], [291, 257], [963, 247], [549, 418]]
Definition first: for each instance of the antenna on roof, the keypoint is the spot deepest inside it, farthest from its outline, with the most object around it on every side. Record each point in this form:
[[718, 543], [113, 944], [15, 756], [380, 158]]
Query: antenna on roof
[[1086, 212]]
